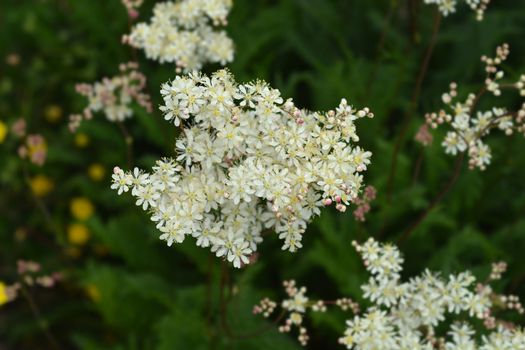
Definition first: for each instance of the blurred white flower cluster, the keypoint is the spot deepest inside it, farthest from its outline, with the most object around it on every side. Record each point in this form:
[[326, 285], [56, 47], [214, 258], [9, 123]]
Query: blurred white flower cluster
[[113, 96], [407, 315], [184, 32], [468, 127], [447, 7], [247, 160]]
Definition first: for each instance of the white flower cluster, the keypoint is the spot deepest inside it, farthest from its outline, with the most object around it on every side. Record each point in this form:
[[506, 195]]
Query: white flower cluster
[[183, 32], [469, 128], [447, 7], [296, 306], [113, 96], [406, 315], [247, 160]]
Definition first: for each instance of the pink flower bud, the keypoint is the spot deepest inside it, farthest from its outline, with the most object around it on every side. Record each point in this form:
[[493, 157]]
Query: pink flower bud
[[341, 207], [133, 14]]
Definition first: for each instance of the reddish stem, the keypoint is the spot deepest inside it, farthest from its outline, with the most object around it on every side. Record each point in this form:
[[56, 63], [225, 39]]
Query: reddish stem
[[414, 103]]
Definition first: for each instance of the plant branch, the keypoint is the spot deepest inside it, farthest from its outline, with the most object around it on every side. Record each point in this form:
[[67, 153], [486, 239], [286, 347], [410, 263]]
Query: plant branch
[[414, 102], [437, 199], [128, 139], [224, 312], [380, 47], [417, 167], [38, 317]]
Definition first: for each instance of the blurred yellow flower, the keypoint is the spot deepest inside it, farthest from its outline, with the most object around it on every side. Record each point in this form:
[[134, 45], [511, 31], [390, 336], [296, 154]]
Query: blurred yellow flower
[[3, 294], [3, 131], [41, 185], [81, 140], [53, 113], [96, 172], [93, 292], [78, 234], [81, 208]]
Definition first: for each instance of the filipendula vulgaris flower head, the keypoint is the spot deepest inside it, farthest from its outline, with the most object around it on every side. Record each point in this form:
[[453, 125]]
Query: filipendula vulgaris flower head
[[185, 33], [113, 96], [247, 160], [407, 315], [447, 7], [470, 127]]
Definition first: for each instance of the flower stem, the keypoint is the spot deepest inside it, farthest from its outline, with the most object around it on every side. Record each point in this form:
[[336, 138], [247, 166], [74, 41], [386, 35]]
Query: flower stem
[[414, 103], [39, 319], [437, 199], [128, 139], [224, 311]]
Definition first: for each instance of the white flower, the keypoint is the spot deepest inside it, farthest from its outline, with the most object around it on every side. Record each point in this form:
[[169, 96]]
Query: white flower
[[239, 252], [461, 121], [173, 231], [453, 143], [121, 181], [297, 302]]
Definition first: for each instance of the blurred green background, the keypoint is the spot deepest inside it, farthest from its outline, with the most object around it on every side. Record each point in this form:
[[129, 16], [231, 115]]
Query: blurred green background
[[125, 289]]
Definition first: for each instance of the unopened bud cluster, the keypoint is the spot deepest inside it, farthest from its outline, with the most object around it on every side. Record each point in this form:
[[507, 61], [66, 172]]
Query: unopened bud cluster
[[132, 7], [265, 307], [29, 275], [34, 148], [363, 203], [247, 160], [408, 315], [184, 32], [447, 7], [423, 136], [497, 270], [469, 128], [114, 96], [31, 146]]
